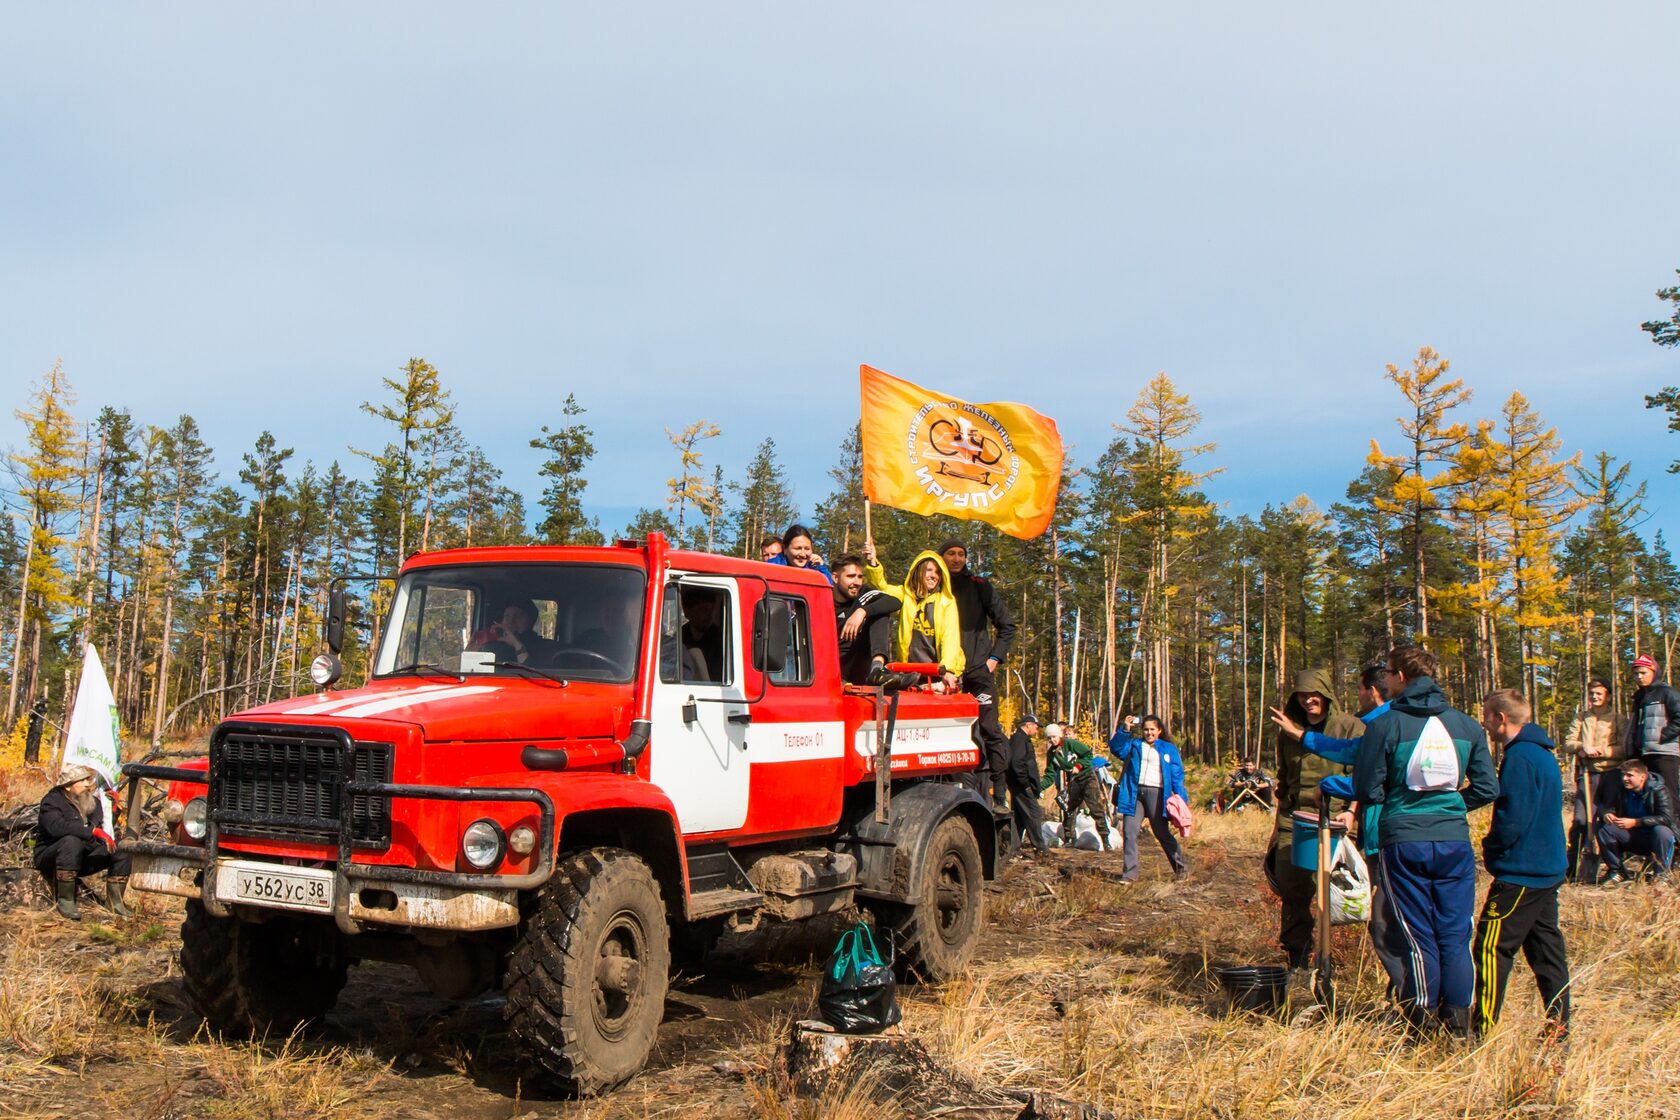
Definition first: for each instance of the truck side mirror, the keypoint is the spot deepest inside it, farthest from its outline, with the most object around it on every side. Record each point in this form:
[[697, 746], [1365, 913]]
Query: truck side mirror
[[772, 626], [335, 619]]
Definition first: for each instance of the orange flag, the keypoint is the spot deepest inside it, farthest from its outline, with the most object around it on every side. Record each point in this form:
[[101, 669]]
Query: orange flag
[[929, 452]]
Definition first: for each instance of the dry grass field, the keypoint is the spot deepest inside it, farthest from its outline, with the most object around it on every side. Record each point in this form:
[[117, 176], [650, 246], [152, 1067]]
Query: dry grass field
[[1087, 988]]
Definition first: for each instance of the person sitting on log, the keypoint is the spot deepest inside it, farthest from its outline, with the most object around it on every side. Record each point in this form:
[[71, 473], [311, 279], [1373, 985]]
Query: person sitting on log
[[71, 841]]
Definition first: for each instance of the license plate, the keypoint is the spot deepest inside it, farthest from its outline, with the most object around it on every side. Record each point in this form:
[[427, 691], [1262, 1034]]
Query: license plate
[[263, 884]]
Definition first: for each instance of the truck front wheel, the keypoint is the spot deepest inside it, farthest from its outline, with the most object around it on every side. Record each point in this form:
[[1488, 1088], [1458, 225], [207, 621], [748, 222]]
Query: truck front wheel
[[937, 933], [586, 981], [256, 978]]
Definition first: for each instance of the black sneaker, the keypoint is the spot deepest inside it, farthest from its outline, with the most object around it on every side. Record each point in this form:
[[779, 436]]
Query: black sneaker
[[1615, 879], [889, 681]]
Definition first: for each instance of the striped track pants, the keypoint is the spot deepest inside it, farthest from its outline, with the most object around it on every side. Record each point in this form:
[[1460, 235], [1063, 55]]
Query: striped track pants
[[1523, 918]]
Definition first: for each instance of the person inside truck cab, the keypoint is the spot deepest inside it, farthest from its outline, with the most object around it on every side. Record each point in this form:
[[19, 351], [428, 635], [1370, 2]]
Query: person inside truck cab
[[616, 637], [512, 637], [702, 634], [929, 631], [800, 551]]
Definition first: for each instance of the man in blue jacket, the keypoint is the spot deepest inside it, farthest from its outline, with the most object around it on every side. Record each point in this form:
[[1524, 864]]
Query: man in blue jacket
[[1527, 855], [1410, 781]]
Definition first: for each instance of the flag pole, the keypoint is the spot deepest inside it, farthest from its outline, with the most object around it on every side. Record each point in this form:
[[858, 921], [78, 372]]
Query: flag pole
[[868, 534]]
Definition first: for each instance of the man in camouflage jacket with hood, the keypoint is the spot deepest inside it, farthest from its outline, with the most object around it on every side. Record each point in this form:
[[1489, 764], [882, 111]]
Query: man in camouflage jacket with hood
[[1312, 705]]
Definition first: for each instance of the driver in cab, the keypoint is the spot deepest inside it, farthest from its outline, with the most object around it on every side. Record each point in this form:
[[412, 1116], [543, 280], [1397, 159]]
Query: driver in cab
[[512, 637]]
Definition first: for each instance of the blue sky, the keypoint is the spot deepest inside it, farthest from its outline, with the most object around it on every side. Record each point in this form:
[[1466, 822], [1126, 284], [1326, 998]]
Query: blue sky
[[676, 211]]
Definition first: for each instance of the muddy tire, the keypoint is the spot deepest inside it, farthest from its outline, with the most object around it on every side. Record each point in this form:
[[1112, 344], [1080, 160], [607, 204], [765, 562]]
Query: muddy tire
[[260, 978], [586, 981], [936, 934]]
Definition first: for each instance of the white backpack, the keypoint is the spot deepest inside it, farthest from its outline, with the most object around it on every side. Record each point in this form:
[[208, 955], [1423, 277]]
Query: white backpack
[[1434, 762]]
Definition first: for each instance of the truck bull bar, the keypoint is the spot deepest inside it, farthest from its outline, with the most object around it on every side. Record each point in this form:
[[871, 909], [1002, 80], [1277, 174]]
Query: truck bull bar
[[346, 868]]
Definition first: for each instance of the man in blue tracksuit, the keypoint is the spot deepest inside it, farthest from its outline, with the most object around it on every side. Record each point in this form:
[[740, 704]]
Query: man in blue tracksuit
[[1527, 855], [1410, 780], [1373, 703]]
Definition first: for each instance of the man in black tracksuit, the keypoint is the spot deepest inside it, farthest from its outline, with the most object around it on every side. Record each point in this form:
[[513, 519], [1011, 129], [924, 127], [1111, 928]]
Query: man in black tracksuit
[[1527, 857], [865, 619], [987, 631], [1025, 784]]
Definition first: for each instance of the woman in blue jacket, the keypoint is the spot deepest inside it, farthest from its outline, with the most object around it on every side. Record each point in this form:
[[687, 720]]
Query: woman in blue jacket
[[799, 551], [1150, 771]]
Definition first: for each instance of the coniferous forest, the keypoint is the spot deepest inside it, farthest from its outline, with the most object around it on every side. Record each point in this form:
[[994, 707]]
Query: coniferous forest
[[201, 573]]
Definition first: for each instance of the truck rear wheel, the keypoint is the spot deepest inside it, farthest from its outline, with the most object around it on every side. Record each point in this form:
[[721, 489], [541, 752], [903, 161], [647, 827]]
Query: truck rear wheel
[[257, 978], [586, 982], [937, 933]]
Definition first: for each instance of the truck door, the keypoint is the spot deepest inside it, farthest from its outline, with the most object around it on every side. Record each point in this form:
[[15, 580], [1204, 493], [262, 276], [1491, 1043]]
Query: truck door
[[699, 755]]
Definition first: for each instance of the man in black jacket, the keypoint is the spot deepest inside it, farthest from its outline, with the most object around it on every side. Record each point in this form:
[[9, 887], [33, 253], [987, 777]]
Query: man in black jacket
[[987, 631], [865, 619], [1640, 820], [1025, 782], [71, 841], [1653, 730]]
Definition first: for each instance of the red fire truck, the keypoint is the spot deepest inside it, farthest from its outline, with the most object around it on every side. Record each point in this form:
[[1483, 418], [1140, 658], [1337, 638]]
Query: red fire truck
[[566, 765]]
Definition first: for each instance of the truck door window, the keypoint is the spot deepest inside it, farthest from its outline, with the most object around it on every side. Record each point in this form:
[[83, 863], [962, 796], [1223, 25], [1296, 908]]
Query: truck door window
[[796, 669], [697, 645]]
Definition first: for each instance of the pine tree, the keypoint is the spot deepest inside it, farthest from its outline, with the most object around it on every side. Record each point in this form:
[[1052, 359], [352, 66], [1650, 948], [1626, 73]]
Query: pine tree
[[418, 408], [1532, 502], [49, 475], [690, 485], [1423, 467], [1169, 511], [765, 501], [569, 448], [1602, 553]]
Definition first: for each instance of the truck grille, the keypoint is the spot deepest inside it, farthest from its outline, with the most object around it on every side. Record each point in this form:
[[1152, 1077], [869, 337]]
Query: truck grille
[[287, 786]]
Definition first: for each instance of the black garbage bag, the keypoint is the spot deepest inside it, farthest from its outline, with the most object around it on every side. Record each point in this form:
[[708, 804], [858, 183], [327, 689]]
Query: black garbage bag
[[857, 990]]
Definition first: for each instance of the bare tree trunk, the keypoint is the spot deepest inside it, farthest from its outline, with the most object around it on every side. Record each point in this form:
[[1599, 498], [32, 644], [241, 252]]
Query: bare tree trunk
[[1247, 730], [1056, 600], [163, 662], [22, 626]]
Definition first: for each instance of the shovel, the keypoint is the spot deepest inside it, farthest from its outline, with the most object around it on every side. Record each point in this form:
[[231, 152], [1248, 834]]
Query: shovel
[[1587, 870], [1324, 978]]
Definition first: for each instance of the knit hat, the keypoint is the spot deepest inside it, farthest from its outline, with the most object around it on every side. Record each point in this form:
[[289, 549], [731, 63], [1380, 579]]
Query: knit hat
[[950, 544], [71, 775], [1645, 661], [1052, 731]]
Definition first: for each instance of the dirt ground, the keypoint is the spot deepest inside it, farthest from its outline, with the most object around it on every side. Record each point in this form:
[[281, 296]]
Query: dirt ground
[[1085, 987]]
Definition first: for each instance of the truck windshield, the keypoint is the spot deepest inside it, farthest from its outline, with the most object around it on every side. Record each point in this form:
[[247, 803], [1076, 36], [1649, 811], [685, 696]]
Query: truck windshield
[[580, 621]]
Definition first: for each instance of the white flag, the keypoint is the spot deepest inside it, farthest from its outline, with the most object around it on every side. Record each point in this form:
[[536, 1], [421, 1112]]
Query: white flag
[[93, 738]]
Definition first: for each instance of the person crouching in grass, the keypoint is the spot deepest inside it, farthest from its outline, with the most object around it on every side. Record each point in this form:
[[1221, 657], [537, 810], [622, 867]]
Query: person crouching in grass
[[1526, 853]]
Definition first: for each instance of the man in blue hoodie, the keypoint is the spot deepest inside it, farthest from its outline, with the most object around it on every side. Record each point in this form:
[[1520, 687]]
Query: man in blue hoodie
[[1410, 781], [1527, 856]]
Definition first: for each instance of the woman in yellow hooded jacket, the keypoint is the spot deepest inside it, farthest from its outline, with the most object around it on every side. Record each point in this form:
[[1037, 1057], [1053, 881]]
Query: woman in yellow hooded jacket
[[928, 628]]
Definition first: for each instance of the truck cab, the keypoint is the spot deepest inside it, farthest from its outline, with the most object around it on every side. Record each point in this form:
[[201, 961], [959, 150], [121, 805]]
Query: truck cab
[[568, 763]]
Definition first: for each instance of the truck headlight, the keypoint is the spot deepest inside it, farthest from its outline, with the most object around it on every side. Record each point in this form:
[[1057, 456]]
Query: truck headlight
[[483, 843], [522, 840], [325, 670], [195, 818]]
